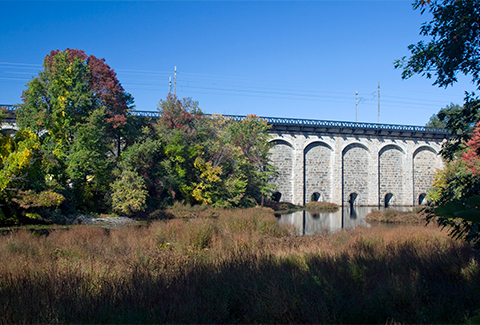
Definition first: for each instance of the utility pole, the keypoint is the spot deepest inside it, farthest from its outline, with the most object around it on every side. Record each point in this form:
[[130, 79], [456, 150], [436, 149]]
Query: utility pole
[[356, 105], [169, 85], [175, 81], [379, 102]]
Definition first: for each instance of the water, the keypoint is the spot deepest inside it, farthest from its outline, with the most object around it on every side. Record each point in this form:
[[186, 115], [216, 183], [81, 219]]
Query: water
[[310, 223]]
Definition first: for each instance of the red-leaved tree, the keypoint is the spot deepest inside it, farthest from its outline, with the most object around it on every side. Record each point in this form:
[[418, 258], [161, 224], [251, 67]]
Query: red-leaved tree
[[472, 156], [105, 87]]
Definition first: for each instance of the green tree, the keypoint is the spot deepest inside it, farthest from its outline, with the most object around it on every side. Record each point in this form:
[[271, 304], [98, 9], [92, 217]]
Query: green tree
[[435, 122], [78, 110], [456, 190], [460, 122], [201, 159], [251, 136], [453, 46], [164, 154], [20, 177], [129, 193]]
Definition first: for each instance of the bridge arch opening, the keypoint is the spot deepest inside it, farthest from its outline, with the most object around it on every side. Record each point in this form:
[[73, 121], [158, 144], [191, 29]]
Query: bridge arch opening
[[422, 199], [277, 196], [352, 199], [315, 215], [389, 199], [316, 197]]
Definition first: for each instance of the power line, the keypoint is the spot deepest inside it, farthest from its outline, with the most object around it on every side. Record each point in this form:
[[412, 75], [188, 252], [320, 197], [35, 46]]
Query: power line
[[222, 85]]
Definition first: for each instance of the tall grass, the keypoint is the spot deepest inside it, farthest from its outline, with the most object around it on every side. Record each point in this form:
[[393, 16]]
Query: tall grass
[[240, 267]]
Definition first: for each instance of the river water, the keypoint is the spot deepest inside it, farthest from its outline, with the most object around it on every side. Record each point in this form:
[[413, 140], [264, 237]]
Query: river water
[[310, 223]]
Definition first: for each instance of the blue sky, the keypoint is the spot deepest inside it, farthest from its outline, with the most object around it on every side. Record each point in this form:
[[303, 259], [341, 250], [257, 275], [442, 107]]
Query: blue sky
[[299, 59]]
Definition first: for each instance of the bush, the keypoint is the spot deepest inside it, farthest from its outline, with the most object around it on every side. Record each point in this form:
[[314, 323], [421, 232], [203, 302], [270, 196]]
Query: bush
[[321, 206], [394, 216]]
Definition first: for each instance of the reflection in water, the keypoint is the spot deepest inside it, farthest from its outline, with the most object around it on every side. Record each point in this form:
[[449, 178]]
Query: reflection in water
[[307, 223]]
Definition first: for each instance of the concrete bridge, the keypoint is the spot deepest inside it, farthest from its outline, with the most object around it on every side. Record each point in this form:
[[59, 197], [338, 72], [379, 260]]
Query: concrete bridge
[[365, 164]]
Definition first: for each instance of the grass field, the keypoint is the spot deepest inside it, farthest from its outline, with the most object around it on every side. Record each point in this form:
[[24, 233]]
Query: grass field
[[237, 267]]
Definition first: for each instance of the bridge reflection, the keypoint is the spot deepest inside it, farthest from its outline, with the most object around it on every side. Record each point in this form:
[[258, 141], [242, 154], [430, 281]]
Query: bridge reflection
[[310, 223]]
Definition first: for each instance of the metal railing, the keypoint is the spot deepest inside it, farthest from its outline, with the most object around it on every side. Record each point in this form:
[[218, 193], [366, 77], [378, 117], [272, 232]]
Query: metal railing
[[9, 107], [310, 125], [325, 125]]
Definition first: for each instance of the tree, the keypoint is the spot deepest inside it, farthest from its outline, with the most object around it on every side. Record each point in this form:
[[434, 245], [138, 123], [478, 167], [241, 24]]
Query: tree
[[435, 122], [20, 175], [200, 159], [456, 190], [460, 122], [163, 156], [453, 48], [129, 193], [454, 44], [78, 110], [251, 136]]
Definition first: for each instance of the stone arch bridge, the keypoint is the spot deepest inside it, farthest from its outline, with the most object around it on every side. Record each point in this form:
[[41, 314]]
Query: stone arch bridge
[[354, 163], [345, 162]]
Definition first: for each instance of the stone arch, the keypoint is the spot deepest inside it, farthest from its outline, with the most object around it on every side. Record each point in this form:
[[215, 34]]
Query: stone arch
[[425, 163], [355, 167], [424, 147], [422, 199], [8, 129], [355, 143], [388, 200], [392, 145], [282, 157], [391, 176], [276, 140], [311, 142], [318, 170], [316, 197], [277, 196], [352, 198]]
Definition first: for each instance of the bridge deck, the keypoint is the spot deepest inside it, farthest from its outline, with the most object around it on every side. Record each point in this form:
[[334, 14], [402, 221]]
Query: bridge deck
[[280, 124], [337, 127]]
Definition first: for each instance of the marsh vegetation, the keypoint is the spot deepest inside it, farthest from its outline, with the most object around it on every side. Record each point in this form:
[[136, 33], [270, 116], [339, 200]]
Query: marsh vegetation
[[240, 266]]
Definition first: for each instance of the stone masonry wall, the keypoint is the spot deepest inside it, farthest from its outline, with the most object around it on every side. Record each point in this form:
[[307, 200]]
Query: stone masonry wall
[[318, 171], [370, 166], [355, 174], [282, 158], [424, 167], [391, 174]]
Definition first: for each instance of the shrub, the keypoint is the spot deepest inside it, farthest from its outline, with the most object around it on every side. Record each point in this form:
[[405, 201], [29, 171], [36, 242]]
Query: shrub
[[321, 206]]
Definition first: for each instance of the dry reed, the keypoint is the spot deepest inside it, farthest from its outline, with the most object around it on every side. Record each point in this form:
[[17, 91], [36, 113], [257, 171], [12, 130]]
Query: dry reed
[[416, 216], [240, 267]]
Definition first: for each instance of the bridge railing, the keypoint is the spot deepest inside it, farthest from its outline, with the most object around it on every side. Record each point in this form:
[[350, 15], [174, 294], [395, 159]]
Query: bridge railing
[[297, 124], [358, 125], [305, 124], [10, 117], [8, 107]]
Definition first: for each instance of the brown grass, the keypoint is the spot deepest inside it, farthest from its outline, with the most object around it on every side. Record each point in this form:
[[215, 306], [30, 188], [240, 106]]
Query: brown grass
[[321, 206], [281, 206], [416, 216], [240, 267]]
